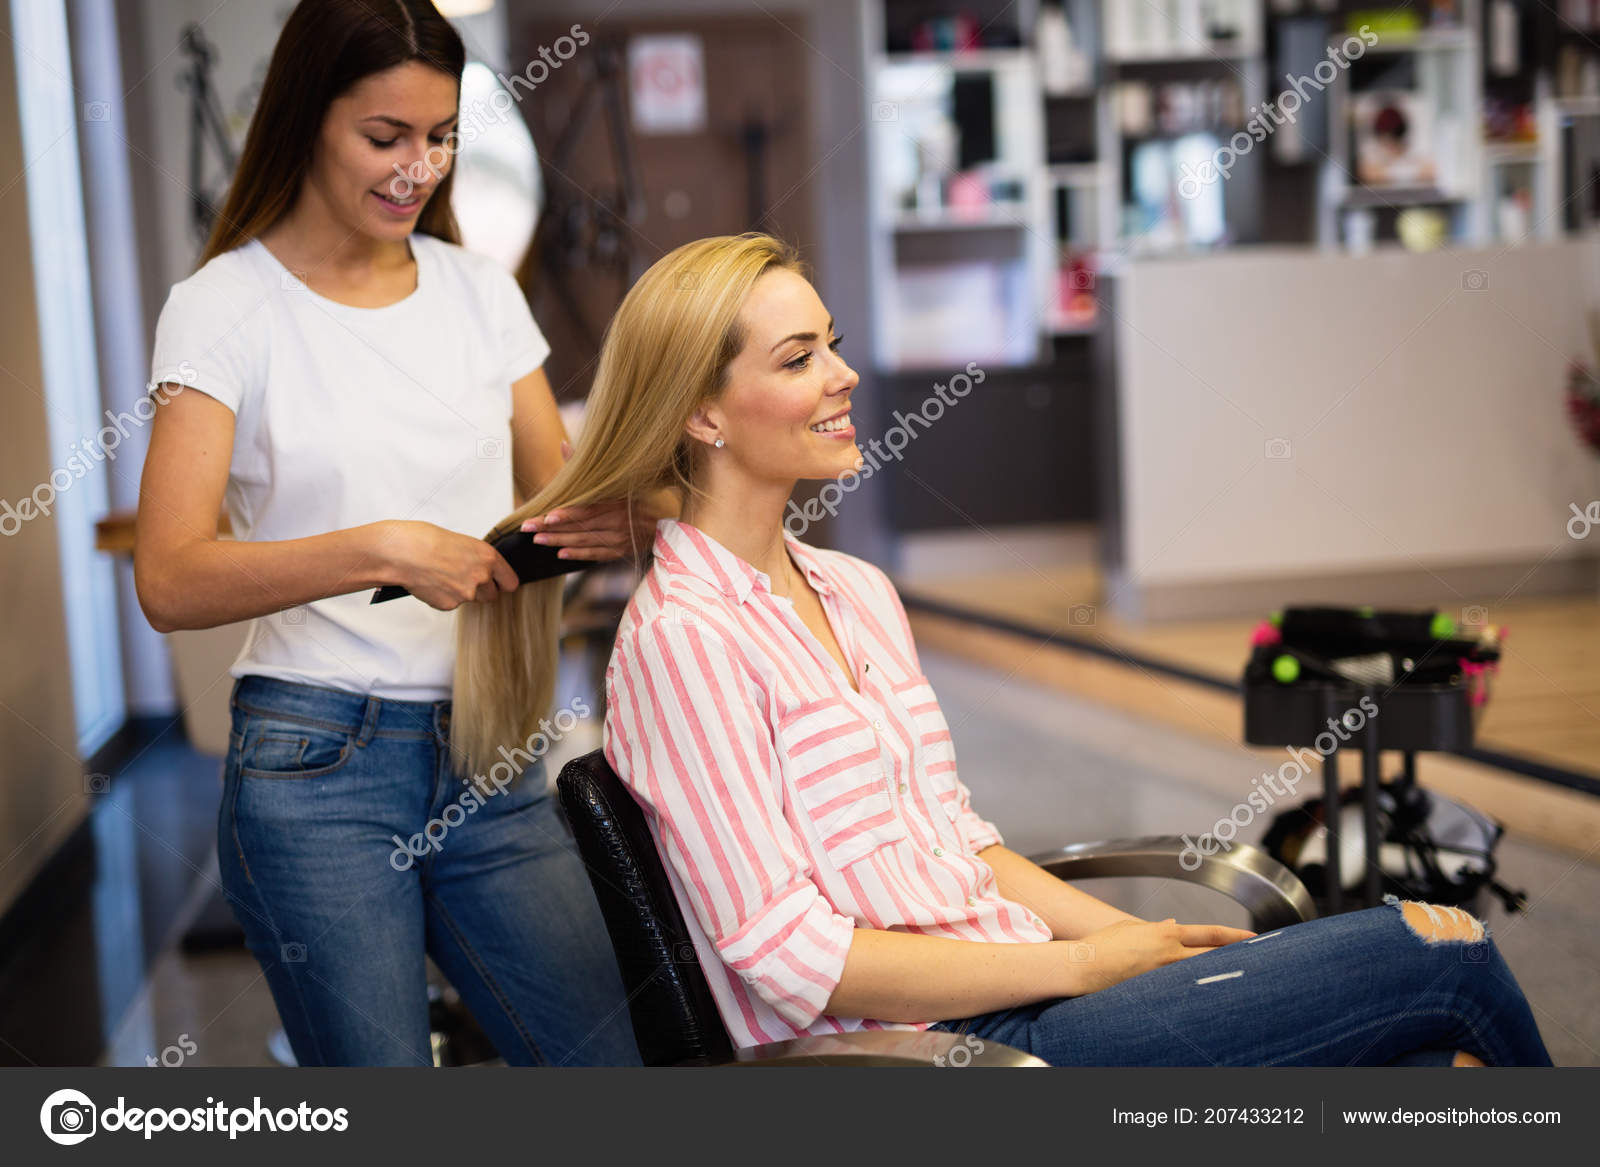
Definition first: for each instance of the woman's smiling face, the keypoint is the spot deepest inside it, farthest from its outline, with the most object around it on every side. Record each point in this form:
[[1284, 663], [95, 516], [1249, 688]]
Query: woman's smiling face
[[786, 382], [382, 151]]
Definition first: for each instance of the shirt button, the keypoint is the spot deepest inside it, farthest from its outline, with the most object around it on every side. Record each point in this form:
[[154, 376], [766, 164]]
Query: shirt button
[[904, 788], [878, 725], [1038, 923], [972, 901], [938, 850]]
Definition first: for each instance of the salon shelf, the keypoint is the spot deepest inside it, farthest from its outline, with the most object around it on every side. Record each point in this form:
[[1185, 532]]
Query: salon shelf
[[1075, 173], [987, 219], [1447, 40], [962, 59], [1400, 196]]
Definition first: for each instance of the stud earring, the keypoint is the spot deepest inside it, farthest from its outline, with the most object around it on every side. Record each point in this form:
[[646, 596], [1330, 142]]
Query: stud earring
[[718, 443]]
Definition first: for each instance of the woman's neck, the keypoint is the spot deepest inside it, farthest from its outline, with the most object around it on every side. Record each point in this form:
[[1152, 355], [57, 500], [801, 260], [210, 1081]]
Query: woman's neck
[[749, 524], [309, 235]]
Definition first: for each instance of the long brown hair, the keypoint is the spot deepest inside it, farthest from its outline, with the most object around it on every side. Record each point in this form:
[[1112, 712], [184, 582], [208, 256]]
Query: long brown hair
[[326, 47], [666, 352]]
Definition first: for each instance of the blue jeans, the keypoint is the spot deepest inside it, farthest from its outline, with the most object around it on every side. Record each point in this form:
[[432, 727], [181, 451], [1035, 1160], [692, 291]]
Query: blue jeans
[[322, 789], [1358, 989]]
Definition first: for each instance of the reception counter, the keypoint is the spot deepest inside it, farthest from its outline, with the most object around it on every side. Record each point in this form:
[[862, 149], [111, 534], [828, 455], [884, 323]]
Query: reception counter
[[1324, 427]]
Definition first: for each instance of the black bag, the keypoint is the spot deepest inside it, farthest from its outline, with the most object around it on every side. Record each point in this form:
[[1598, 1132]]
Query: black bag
[[1432, 848]]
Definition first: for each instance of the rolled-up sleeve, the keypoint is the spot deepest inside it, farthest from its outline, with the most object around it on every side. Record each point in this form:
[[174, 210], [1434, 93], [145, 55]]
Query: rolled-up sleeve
[[688, 731]]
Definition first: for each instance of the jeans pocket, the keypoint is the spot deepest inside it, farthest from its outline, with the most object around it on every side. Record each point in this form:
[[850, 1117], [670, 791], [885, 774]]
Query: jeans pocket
[[280, 747]]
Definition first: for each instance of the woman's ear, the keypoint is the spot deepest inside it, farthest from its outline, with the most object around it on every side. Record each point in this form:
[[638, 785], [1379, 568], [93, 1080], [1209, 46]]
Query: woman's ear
[[704, 425]]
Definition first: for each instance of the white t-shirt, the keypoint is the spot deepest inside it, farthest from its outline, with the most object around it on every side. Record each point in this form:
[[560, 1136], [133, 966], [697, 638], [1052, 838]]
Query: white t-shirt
[[345, 416]]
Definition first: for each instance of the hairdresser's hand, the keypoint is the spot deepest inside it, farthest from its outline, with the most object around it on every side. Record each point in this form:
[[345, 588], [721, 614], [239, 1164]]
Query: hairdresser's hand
[[444, 569], [601, 531], [1130, 947]]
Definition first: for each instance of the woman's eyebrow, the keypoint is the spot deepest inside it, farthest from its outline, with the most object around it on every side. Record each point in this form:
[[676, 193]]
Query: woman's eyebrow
[[802, 335], [398, 124]]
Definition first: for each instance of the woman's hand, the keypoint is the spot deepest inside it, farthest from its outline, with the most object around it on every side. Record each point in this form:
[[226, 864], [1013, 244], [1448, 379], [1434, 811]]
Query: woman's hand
[[445, 569], [600, 531], [1130, 947]]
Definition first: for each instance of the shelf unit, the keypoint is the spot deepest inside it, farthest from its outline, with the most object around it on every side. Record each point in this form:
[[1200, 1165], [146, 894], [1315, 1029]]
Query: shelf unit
[[1074, 168], [1445, 69], [1066, 221], [954, 282]]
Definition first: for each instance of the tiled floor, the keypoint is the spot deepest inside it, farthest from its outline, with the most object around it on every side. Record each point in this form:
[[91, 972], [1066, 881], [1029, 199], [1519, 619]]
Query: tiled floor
[[1047, 769]]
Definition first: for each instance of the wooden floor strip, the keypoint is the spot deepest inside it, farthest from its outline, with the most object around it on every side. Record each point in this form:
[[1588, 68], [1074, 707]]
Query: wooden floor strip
[[1534, 810]]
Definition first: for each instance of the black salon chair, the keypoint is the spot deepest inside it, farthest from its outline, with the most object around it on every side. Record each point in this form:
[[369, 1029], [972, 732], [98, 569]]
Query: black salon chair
[[675, 1017]]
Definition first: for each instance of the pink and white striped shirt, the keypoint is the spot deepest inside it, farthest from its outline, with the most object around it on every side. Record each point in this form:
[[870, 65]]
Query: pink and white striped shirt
[[788, 808]]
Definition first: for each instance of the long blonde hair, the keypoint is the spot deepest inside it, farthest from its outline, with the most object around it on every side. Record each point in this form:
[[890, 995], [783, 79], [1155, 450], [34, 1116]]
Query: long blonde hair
[[666, 352]]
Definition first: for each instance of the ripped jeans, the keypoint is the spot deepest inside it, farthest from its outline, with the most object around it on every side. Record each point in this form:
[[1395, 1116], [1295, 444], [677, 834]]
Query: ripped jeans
[[1364, 988]]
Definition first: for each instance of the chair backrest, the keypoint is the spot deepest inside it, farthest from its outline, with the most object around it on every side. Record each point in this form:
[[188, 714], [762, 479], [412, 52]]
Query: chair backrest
[[675, 1017]]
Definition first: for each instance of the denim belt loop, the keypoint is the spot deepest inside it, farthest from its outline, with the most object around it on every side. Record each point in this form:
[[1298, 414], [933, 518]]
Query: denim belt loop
[[369, 722]]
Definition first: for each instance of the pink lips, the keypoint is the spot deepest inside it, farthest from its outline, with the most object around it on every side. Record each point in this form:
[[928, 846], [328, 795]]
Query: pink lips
[[395, 208]]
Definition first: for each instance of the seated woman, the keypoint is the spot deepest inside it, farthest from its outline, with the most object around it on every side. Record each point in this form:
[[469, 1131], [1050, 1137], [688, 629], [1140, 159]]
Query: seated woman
[[768, 710]]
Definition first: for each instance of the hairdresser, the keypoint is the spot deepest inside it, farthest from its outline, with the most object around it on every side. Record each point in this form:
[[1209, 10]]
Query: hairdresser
[[367, 398]]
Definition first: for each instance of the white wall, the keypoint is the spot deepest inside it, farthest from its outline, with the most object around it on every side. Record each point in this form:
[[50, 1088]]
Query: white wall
[[1425, 417]]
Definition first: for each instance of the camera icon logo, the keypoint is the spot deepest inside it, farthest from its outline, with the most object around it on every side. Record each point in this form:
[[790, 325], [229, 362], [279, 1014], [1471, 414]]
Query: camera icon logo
[[67, 1117], [885, 111], [1278, 449], [1475, 280], [490, 449], [96, 111], [1081, 613]]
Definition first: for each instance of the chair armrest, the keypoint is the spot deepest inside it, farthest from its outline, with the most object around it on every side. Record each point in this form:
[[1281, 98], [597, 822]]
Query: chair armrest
[[886, 1047], [1268, 890]]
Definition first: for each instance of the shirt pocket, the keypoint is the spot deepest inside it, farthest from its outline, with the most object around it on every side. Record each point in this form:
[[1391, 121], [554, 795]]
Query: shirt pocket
[[830, 754], [935, 749]]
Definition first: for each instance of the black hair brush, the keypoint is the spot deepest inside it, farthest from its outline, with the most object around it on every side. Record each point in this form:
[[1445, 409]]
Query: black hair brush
[[531, 561]]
